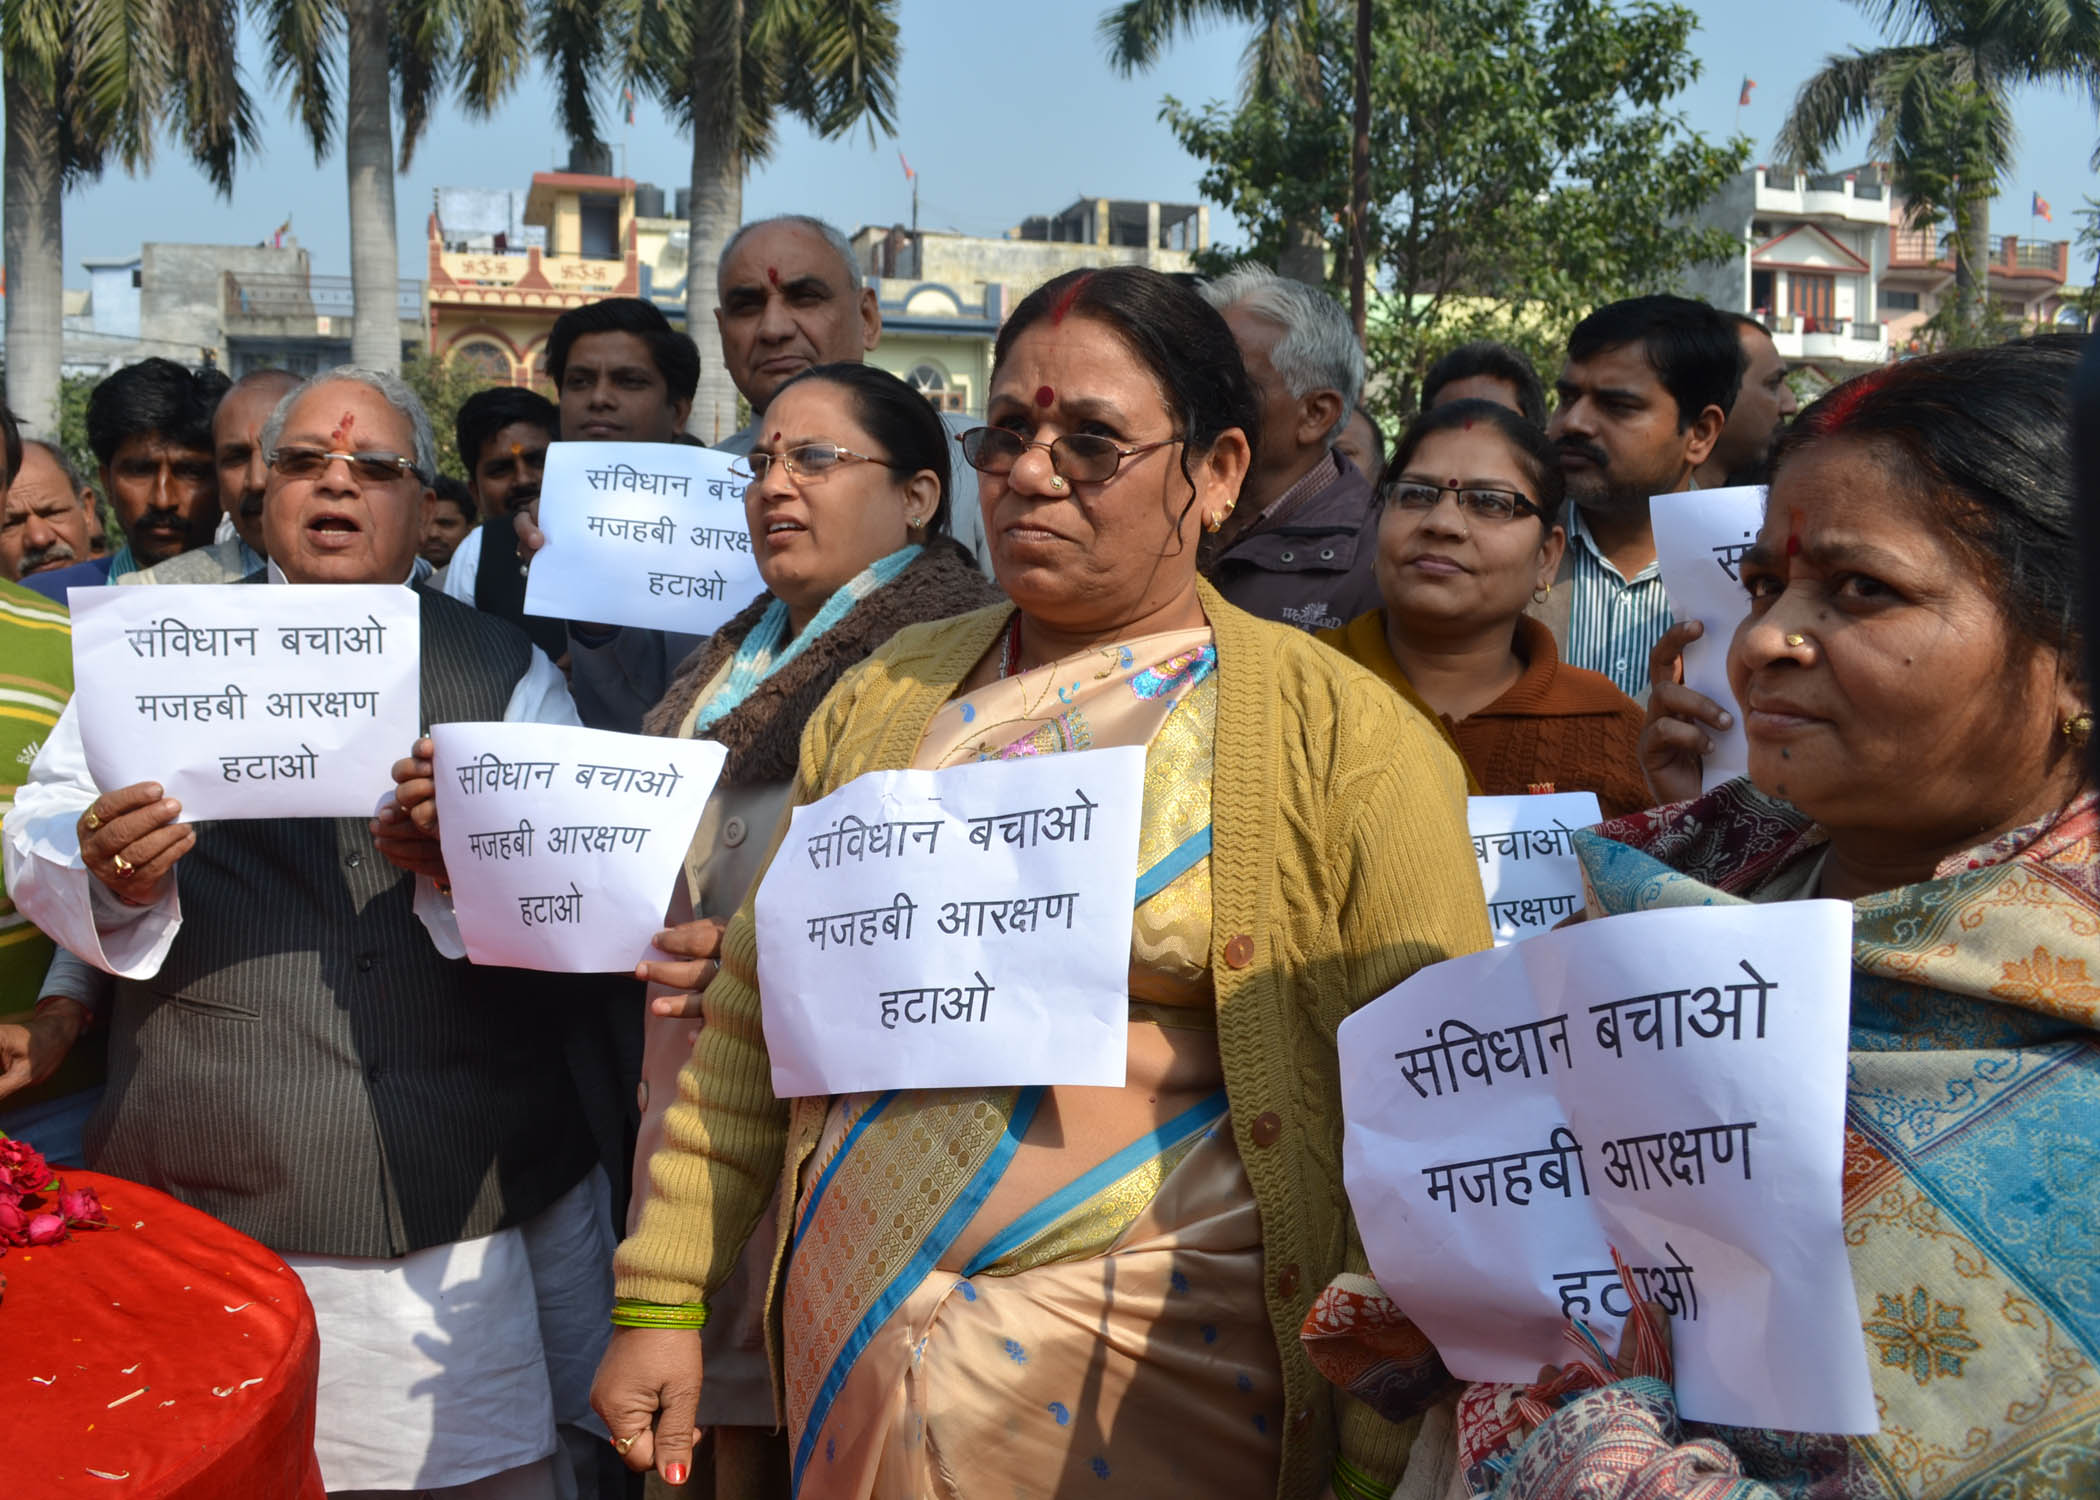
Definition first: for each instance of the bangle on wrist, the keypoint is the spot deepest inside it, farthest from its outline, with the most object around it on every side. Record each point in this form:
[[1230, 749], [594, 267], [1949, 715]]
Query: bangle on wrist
[[629, 1313], [1351, 1483]]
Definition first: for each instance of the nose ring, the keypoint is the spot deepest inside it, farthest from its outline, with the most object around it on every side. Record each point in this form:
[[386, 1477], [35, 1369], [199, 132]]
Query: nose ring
[[1797, 640]]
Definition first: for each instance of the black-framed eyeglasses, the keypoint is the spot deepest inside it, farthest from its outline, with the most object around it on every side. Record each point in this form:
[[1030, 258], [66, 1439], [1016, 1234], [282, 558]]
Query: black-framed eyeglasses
[[810, 461], [372, 468], [1082, 457], [1480, 504]]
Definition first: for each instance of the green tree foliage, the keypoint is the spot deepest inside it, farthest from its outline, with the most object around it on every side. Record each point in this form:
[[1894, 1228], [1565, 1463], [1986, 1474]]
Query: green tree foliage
[[1937, 103], [443, 386], [1524, 169]]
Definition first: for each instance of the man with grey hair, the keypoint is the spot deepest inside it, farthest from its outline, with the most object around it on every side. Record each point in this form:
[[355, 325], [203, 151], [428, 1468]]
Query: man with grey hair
[[298, 1046], [1301, 546], [790, 296]]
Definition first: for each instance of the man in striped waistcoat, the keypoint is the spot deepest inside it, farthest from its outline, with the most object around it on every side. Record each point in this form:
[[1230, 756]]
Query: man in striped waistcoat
[[297, 1047]]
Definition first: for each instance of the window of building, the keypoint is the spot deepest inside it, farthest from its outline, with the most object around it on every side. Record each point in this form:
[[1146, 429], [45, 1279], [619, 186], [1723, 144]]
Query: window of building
[[1898, 301], [483, 358], [1813, 298], [931, 382], [598, 228]]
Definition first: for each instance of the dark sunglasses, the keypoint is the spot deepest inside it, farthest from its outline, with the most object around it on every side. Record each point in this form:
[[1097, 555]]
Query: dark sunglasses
[[372, 468], [1082, 457]]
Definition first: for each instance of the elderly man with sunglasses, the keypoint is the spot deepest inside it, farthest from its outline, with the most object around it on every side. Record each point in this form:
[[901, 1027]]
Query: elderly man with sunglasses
[[298, 1047]]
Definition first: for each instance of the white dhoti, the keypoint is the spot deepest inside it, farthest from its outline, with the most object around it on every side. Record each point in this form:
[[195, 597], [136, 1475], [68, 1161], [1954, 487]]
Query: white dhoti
[[466, 1362]]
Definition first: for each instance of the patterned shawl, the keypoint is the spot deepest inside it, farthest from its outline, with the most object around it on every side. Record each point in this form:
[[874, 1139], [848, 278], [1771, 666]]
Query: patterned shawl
[[1972, 1160]]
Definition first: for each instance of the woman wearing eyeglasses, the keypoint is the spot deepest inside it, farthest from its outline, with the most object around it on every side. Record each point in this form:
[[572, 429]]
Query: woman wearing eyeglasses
[[1111, 1304], [1469, 531], [848, 512]]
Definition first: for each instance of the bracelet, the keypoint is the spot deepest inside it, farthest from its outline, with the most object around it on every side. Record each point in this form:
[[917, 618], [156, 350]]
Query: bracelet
[[1352, 1483], [629, 1313]]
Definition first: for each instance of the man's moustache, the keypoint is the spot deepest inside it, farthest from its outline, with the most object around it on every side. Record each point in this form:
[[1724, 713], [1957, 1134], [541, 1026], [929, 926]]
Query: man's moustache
[[517, 500], [54, 555], [1594, 454]]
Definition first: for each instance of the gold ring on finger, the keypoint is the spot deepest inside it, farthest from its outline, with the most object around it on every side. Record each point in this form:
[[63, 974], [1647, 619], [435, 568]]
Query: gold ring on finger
[[124, 866], [92, 821], [621, 1445]]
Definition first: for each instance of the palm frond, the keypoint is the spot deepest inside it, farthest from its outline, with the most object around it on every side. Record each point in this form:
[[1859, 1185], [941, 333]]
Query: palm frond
[[119, 68], [571, 38], [419, 60], [1838, 98], [837, 64], [1137, 31], [304, 41], [211, 111]]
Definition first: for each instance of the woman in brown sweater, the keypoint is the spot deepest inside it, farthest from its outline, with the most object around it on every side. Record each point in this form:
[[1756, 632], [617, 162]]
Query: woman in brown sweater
[[1469, 530]]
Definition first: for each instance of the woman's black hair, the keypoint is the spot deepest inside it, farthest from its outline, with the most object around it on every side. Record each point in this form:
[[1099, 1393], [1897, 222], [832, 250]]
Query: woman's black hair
[[900, 420], [1982, 438], [1534, 451], [1180, 339]]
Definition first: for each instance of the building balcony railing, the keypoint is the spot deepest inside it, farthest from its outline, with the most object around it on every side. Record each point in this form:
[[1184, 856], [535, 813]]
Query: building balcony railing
[[1915, 249], [260, 295], [1834, 195]]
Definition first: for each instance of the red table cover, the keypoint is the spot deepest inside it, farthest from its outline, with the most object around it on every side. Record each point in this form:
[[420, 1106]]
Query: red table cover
[[167, 1357]]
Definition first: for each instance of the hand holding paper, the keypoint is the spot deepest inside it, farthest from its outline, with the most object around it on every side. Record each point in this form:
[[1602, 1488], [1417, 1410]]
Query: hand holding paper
[[1668, 1084], [563, 842], [1700, 539]]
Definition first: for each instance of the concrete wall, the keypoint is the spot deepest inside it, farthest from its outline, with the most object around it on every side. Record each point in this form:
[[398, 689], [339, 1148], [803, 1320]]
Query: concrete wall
[[961, 261], [1726, 283], [180, 302]]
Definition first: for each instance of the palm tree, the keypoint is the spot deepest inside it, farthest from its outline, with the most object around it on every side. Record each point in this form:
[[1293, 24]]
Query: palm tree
[[1938, 104], [404, 55], [88, 81], [1282, 60], [725, 70]]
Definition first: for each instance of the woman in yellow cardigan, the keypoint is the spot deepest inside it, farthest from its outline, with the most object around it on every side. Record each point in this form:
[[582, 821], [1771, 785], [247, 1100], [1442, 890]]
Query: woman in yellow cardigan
[[1041, 1291]]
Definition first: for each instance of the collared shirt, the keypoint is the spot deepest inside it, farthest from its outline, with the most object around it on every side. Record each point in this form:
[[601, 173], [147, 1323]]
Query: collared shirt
[[1310, 558], [1613, 621]]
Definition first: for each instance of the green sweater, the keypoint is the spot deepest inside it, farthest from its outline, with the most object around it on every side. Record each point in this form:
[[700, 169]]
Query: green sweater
[[36, 679]]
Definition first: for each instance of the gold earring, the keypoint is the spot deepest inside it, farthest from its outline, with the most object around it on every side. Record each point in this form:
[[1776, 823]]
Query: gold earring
[[2077, 728], [1216, 522], [1797, 640], [1540, 596]]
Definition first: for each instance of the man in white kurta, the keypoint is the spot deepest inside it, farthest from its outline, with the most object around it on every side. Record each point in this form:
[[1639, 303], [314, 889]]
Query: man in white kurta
[[458, 1368]]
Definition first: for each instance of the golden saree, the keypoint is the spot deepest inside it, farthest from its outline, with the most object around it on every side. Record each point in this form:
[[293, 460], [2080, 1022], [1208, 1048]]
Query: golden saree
[[933, 1351]]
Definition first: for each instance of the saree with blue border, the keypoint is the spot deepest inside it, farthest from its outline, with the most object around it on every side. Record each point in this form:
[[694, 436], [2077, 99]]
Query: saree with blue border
[[935, 1347]]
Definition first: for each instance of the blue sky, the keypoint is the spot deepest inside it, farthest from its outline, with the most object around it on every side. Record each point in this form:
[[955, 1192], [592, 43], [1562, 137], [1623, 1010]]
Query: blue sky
[[1002, 112]]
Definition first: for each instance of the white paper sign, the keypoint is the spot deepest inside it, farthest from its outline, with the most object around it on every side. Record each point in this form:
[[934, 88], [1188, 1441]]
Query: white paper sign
[[1670, 1083], [955, 929], [648, 534], [266, 701], [1700, 539], [562, 843], [1527, 859]]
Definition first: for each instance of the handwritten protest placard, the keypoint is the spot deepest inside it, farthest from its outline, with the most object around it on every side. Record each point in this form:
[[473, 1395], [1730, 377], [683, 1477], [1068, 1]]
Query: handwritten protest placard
[[273, 701], [1527, 859], [563, 843], [954, 929], [1668, 1083], [1700, 539], [646, 534]]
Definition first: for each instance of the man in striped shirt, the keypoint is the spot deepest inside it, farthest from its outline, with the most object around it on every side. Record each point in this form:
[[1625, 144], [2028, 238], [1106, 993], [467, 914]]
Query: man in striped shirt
[[1645, 392]]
